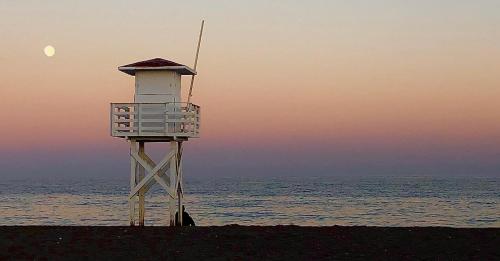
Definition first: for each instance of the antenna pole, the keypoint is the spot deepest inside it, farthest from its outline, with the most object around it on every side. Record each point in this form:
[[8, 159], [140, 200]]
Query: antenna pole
[[195, 62]]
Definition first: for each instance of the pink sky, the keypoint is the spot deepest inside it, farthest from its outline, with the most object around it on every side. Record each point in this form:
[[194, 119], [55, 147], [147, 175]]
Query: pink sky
[[331, 88]]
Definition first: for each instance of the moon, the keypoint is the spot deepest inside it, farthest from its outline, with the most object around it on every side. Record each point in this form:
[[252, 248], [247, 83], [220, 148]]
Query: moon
[[49, 50]]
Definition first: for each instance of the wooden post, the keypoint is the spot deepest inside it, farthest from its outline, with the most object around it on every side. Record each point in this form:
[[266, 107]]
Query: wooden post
[[142, 191], [173, 183], [180, 194], [133, 182], [195, 63]]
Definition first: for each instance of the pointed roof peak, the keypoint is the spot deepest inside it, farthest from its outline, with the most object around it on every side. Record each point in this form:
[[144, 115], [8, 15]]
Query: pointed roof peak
[[156, 64]]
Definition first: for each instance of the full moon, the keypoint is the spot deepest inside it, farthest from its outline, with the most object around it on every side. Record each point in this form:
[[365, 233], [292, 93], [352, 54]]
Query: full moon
[[49, 50]]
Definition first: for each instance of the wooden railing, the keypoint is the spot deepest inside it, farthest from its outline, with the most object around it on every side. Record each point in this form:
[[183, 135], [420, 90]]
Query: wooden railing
[[155, 119]]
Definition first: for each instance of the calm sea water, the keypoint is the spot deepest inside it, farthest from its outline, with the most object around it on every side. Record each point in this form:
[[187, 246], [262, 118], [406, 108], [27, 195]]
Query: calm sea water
[[389, 201]]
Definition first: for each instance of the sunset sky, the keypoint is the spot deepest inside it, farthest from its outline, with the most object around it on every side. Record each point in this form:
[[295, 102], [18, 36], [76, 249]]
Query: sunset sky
[[300, 88]]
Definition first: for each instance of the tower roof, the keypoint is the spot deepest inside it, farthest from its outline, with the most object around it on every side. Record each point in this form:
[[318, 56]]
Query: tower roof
[[156, 64]]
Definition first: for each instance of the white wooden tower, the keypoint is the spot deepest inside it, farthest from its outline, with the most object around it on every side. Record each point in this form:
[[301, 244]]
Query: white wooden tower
[[156, 115]]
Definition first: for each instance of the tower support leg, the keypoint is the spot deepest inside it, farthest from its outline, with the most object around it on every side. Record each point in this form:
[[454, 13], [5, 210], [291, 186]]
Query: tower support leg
[[179, 189], [133, 183], [142, 192], [173, 182]]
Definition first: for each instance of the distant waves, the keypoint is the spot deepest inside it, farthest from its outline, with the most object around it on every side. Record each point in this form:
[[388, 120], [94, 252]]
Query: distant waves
[[415, 201]]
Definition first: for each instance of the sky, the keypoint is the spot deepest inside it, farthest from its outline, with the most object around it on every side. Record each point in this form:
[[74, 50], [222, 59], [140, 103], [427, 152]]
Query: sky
[[287, 88]]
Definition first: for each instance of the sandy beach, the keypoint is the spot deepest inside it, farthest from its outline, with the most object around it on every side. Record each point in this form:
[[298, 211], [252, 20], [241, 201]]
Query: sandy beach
[[247, 242]]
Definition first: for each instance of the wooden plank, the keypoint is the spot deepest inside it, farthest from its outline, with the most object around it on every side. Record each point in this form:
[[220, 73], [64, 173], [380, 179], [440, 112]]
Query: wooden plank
[[152, 120], [180, 193], [187, 134], [141, 191], [187, 121], [172, 173], [139, 117], [125, 120], [132, 183], [187, 114], [159, 129], [153, 113], [124, 113]]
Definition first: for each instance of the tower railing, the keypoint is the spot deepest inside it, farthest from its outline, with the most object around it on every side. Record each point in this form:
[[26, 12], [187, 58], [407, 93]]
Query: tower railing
[[172, 119]]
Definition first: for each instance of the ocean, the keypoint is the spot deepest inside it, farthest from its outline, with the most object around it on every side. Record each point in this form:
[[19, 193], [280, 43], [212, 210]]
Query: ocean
[[366, 201]]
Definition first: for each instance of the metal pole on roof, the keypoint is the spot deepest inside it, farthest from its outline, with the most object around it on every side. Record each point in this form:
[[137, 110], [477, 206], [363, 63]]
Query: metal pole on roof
[[195, 62]]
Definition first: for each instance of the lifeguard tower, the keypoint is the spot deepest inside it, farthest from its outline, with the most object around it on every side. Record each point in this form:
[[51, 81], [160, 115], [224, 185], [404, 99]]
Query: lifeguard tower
[[156, 115]]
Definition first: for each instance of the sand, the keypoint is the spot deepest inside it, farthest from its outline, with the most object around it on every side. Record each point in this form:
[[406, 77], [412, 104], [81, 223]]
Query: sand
[[247, 243]]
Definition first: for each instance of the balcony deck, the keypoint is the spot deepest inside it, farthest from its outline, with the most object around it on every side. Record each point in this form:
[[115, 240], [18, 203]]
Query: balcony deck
[[155, 121]]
